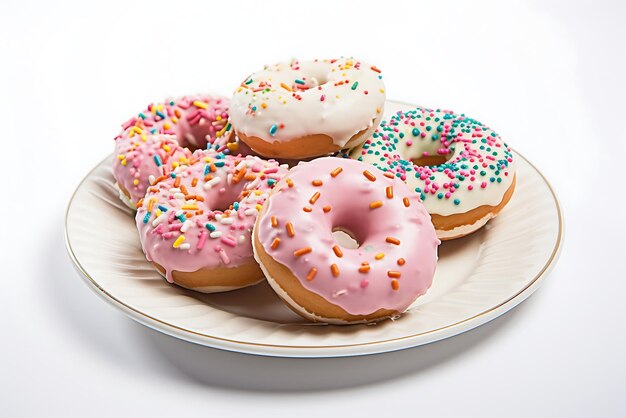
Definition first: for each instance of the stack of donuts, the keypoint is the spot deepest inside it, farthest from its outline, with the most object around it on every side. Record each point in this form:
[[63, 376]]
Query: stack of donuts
[[298, 180]]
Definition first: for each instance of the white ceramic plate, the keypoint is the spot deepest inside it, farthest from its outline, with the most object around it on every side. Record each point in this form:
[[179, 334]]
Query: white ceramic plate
[[478, 278]]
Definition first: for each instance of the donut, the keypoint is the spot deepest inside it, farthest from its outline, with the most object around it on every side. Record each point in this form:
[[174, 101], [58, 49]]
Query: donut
[[321, 279], [462, 170], [152, 143], [302, 109], [195, 223]]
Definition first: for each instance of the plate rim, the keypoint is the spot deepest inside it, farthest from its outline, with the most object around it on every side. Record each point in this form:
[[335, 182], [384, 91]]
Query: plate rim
[[340, 350]]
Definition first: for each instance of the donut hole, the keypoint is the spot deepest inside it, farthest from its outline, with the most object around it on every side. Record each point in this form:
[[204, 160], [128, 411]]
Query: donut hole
[[346, 238], [427, 160], [224, 198]]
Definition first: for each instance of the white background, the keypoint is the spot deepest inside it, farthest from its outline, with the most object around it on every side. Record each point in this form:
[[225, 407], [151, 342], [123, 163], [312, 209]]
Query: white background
[[548, 76]]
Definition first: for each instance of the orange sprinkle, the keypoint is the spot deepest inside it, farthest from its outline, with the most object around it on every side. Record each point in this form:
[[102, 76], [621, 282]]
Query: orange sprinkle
[[376, 204], [326, 208], [392, 240], [239, 175], [337, 251], [395, 285], [274, 221], [334, 269], [369, 176], [250, 177], [290, 230], [208, 177], [140, 203], [389, 192], [289, 182], [183, 189], [379, 256], [406, 202], [317, 183], [275, 243], [364, 268], [302, 251], [336, 172], [388, 175], [373, 68], [151, 203], [177, 182], [153, 190], [314, 198], [311, 274], [286, 87], [199, 198], [307, 209], [393, 274], [401, 261], [159, 179], [194, 182]]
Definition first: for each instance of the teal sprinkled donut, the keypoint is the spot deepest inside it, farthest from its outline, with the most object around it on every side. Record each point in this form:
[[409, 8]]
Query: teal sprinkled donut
[[463, 171]]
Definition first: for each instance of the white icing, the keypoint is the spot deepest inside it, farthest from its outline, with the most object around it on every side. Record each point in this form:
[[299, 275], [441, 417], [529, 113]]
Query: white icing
[[125, 198], [462, 230], [410, 146], [345, 111]]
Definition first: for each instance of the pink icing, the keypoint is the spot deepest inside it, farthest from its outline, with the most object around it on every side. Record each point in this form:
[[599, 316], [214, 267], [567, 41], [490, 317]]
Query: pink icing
[[389, 282], [213, 204], [190, 121]]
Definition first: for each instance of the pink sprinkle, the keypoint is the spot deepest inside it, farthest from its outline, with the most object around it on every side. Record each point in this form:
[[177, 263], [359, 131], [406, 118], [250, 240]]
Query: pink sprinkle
[[176, 226], [322, 97], [218, 249], [193, 115], [483, 184], [364, 283], [470, 187], [202, 240], [229, 241]]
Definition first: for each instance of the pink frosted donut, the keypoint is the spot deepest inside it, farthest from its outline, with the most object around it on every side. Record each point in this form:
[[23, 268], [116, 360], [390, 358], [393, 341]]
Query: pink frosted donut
[[151, 143], [324, 281], [195, 224]]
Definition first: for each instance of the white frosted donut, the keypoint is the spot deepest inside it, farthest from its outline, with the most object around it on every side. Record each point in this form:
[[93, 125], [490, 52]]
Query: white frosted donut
[[301, 109], [463, 171]]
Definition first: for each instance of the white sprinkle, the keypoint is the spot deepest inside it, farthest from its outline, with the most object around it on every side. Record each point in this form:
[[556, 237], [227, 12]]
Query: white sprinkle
[[151, 179], [159, 219], [250, 211], [339, 293], [214, 181], [241, 239], [174, 190], [240, 166], [185, 226], [226, 221], [215, 234], [218, 216], [179, 196], [250, 162], [253, 184], [229, 178], [184, 246], [178, 213]]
